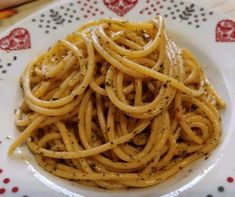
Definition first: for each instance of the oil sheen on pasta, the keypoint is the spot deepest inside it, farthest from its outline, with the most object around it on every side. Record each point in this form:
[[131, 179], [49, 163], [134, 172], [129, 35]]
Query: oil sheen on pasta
[[117, 104]]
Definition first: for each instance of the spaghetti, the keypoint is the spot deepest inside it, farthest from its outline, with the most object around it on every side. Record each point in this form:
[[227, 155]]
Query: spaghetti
[[116, 105]]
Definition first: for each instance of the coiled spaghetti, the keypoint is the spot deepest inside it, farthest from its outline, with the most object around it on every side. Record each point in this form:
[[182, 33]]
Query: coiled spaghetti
[[117, 104]]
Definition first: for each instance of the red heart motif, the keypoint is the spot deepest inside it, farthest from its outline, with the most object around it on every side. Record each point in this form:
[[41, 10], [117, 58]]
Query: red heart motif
[[120, 7], [19, 38], [225, 31]]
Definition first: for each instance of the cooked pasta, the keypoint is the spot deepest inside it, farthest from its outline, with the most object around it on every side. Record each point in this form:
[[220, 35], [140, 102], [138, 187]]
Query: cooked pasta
[[117, 104]]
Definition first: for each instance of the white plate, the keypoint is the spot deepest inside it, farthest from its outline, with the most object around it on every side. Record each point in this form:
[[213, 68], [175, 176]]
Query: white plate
[[208, 35]]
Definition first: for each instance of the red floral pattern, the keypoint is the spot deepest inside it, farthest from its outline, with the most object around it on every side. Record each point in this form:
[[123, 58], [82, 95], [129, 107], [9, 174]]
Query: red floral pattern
[[3, 186], [120, 7], [225, 31], [19, 38]]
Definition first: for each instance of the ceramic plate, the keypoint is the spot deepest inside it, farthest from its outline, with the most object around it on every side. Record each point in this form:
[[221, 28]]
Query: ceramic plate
[[210, 36]]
